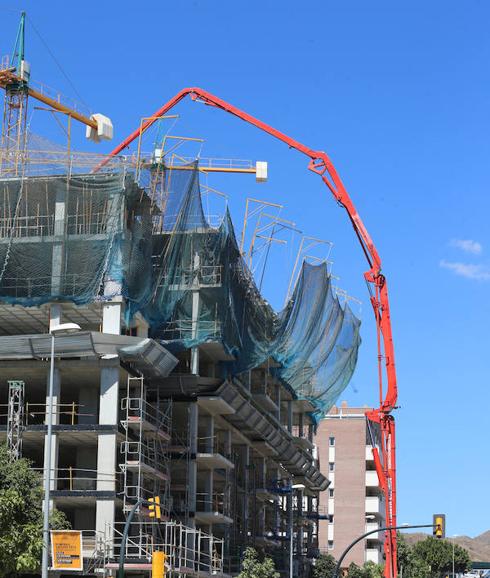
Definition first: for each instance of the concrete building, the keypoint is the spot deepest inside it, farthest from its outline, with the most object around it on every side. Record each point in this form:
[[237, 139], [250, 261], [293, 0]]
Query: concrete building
[[353, 503], [144, 408]]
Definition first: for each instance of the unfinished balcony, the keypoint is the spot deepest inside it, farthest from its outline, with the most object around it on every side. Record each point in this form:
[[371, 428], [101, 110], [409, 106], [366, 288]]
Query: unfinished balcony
[[213, 509], [212, 454]]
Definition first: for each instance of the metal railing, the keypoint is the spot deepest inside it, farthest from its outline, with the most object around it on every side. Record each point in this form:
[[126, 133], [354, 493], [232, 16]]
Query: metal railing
[[142, 452], [218, 503], [212, 445], [36, 413], [187, 549], [67, 284], [205, 275], [137, 409], [188, 329]]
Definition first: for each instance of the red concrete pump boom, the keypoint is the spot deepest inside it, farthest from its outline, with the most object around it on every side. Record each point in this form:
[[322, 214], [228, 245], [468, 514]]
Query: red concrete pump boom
[[322, 165]]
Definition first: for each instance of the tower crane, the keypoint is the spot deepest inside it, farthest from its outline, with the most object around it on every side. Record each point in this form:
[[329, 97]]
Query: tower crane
[[321, 165], [14, 79]]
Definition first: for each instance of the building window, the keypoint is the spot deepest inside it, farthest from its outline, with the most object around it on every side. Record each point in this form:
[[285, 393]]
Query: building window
[[331, 441], [331, 466], [330, 492], [330, 544]]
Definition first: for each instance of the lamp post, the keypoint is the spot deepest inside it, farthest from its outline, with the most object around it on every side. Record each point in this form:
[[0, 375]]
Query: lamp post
[[63, 329], [352, 544]]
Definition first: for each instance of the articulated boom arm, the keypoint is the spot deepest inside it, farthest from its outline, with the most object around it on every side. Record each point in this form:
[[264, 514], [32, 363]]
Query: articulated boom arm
[[322, 165]]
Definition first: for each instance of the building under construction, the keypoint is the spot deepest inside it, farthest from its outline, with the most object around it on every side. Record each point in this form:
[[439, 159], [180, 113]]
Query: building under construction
[[173, 378], [182, 383]]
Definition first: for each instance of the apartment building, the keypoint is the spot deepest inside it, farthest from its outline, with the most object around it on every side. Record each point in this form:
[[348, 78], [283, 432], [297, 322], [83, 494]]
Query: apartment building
[[353, 503]]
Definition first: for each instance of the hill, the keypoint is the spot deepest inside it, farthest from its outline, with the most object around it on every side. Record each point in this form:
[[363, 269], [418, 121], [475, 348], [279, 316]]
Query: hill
[[478, 547]]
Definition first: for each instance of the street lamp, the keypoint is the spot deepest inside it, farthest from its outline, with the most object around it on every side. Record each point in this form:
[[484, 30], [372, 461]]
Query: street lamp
[[63, 329]]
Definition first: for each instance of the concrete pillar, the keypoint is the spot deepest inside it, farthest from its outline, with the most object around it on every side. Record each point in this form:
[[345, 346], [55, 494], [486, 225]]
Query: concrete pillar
[[208, 505], [108, 415], [290, 416], [207, 428], [111, 317], [55, 312], [301, 424], [57, 256], [196, 309], [278, 401], [192, 463], [107, 446]]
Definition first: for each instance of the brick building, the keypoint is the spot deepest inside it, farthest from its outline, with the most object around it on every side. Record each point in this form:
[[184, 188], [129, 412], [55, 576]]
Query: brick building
[[353, 503]]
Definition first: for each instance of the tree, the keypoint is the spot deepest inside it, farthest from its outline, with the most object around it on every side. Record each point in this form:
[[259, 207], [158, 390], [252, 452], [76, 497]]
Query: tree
[[324, 566], [354, 571], [372, 570], [430, 558], [253, 567], [438, 555], [21, 518]]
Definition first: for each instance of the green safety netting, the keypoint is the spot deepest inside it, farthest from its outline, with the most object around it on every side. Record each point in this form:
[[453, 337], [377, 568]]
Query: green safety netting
[[202, 291], [152, 243], [59, 235]]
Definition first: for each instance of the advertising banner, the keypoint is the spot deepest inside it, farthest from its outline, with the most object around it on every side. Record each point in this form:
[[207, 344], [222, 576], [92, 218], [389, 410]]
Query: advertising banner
[[66, 550]]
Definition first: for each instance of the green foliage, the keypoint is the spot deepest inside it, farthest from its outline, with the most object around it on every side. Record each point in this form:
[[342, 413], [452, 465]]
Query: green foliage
[[438, 554], [21, 495], [355, 572], [430, 558], [324, 566], [372, 570], [254, 567]]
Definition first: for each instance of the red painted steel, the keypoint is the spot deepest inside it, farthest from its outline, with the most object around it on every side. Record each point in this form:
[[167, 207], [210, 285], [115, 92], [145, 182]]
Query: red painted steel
[[321, 164]]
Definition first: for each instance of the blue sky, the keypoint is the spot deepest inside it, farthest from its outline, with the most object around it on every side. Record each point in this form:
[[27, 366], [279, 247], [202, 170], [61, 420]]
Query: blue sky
[[398, 95]]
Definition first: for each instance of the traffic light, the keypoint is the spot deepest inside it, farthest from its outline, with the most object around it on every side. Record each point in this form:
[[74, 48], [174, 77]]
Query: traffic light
[[155, 510], [158, 564], [439, 523]]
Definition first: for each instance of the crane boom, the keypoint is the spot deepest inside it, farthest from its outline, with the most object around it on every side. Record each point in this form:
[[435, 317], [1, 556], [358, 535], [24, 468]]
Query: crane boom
[[321, 164]]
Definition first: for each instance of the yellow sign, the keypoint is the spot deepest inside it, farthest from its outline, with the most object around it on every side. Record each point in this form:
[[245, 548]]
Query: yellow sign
[[66, 550]]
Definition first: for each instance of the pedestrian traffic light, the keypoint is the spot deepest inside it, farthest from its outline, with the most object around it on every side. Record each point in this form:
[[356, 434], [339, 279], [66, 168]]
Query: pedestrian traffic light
[[439, 523], [155, 510]]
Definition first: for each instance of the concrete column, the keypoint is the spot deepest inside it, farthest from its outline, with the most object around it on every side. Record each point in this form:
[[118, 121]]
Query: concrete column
[[192, 464], [208, 491], [290, 416], [107, 446], [57, 256], [55, 312], [262, 470], [227, 443], [111, 317], [196, 309], [301, 424], [278, 401], [207, 424], [108, 415]]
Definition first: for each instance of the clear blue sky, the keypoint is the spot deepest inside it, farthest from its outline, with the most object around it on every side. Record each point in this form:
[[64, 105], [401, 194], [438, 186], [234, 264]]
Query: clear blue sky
[[398, 94]]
